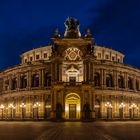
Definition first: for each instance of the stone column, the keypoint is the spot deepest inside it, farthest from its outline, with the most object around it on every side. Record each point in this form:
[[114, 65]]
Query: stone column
[[40, 78], [42, 75], [18, 81], [101, 78], [104, 78], [29, 75], [102, 107], [10, 82], [3, 85], [115, 79], [53, 72], [125, 80], [91, 72], [84, 71], [56, 76], [134, 83], [52, 105], [60, 71], [42, 107]]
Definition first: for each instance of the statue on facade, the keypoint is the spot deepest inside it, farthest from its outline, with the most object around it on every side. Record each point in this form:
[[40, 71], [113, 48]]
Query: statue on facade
[[56, 33], [88, 34], [72, 28]]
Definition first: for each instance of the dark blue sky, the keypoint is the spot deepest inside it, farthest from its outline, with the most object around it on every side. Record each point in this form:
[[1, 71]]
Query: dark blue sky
[[27, 24]]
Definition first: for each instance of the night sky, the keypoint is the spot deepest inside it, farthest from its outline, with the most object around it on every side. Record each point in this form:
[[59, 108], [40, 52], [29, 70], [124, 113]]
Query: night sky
[[28, 24]]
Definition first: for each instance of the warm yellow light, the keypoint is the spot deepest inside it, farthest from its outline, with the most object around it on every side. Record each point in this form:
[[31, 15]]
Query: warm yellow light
[[11, 106], [133, 105], [2, 106], [22, 105], [36, 104], [48, 106], [66, 108], [122, 105], [108, 104], [78, 108]]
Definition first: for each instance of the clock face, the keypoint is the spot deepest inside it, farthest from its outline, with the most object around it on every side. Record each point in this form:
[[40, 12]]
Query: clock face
[[72, 54]]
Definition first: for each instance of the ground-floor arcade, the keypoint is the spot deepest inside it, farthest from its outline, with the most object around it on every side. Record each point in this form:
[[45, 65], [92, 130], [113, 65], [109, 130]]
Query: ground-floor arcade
[[70, 106]]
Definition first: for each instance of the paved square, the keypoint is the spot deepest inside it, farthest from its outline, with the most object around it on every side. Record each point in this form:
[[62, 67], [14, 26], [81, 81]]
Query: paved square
[[70, 131]]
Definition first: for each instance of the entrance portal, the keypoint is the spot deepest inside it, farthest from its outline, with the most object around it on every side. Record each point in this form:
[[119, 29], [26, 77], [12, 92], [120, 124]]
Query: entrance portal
[[72, 106], [72, 111]]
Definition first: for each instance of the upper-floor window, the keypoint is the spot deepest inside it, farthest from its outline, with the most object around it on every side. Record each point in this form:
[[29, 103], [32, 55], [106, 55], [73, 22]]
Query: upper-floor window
[[99, 55], [109, 81], [31, 58], [120, 82], [130, 83], [23, 81], [47, 80], [35, 80], [37, 56], [45, 55], [6, 84], [118, 59], [25, 60], [113, 58], [106, 56], [14, 84], [97, 79], [137, 85]]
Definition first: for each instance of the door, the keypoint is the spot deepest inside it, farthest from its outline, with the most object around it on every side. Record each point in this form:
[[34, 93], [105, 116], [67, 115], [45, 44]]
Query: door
[[109, 113], [35, 113], [72, 111], [23, 113], [121, 113]]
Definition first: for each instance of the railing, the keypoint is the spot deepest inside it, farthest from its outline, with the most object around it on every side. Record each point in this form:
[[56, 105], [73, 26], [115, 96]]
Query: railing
[[72, 83], [25, 89]]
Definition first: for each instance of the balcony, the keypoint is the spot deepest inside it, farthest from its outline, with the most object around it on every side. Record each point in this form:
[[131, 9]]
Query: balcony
[[72, 83]]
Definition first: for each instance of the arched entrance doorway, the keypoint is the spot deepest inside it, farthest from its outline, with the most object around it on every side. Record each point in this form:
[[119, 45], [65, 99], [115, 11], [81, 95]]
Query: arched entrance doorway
[[72, 106]]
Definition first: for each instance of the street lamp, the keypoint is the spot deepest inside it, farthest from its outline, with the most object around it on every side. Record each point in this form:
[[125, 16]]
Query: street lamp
[[2, 107], [36, 106], [23, 106], [11, 106], [122, 106], [109, 109], [133, 107]]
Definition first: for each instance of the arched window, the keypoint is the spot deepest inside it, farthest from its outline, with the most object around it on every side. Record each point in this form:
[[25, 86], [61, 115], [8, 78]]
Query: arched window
[[120, 82], [130, 83], [47, 80], [97, 79], [35, 80], [6, 83], [14, 84], [109, 81], [23, 81], [137, 85]]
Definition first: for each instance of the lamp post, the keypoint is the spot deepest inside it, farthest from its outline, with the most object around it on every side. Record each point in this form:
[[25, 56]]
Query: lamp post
[[36, 106], [133, 107], [23, 106], [122, 106], [109, 109], [2, 108], [11, 106]]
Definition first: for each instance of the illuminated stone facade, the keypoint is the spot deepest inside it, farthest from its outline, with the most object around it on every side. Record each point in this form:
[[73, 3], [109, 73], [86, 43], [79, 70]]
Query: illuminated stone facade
[[71, 79]]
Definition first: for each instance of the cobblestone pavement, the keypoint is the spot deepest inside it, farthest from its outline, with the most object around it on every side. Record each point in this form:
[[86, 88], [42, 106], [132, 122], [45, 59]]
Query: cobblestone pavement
[[70, 131]]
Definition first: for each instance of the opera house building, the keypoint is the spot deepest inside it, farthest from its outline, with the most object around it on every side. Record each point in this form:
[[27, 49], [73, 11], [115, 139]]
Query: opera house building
[[71, 79]]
